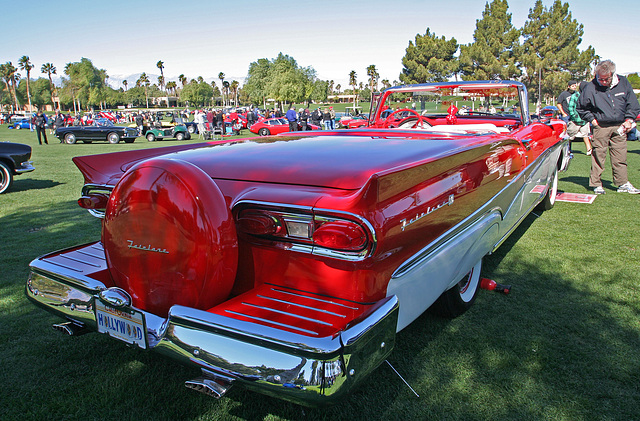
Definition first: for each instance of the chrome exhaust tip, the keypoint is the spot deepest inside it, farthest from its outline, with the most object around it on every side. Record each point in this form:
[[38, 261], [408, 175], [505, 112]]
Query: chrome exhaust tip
[[70, 328], [210, 384]]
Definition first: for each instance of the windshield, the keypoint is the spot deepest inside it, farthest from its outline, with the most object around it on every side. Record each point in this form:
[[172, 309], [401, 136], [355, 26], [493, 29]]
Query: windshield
[[103, 123], [450, 103]]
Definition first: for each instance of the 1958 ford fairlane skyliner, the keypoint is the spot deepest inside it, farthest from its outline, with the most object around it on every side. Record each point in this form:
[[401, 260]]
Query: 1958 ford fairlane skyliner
[[288, 263]]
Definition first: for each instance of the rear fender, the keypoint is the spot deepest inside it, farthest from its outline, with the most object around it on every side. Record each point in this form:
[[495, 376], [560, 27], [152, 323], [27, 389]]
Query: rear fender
[[425, 276]]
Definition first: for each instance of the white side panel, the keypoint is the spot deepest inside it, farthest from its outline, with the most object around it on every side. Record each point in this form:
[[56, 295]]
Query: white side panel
[[440, 269]]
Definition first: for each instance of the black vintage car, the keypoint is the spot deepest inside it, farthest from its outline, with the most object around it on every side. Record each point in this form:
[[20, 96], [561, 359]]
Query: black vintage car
[[14, 160], [101, 129]]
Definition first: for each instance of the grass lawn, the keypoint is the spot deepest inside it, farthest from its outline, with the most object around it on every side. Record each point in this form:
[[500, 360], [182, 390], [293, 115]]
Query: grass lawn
[[564, 345]]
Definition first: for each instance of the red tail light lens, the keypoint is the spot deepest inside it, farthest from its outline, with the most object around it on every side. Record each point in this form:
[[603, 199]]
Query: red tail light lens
[[258, 223], [93, 201], [340, 235]]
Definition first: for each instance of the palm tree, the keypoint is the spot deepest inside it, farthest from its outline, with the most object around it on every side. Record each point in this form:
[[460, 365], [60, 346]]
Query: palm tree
[[125, 83], [171, 87], [160, 65], [71, 85], [353, 81], [50, 69], [183, 80], [213, 96], [373, 78], [234, 88], [143, 80], [338, 87], [331, 86], [225, 88], [221, 77], [9, 74], [25, 64]]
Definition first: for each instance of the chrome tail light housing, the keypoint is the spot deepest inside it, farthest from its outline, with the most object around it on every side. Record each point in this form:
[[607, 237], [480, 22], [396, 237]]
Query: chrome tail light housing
[[320, 232]]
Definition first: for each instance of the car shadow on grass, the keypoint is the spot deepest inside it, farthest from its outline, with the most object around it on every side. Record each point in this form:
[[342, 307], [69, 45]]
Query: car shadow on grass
[[23, 184]]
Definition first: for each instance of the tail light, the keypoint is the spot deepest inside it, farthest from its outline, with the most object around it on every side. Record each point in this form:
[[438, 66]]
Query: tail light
[[332, 235], [340, 235], [94, 199]]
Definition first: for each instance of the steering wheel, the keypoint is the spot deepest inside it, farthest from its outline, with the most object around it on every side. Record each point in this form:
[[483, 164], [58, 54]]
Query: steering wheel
[[411, 122]]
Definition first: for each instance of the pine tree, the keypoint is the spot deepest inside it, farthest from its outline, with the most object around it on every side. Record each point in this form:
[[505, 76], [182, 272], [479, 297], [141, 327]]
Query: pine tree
[[493, 53], [550, 54], [429, 59]]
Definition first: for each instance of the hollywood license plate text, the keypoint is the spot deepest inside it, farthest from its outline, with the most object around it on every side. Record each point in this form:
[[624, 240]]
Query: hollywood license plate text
[[126, 326]]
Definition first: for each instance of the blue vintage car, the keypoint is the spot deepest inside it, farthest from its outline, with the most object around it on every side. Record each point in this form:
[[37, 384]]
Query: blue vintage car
[[20, 124]]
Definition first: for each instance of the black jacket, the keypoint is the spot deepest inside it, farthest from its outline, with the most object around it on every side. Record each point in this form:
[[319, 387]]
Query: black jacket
[[40, 120], [608, 105]]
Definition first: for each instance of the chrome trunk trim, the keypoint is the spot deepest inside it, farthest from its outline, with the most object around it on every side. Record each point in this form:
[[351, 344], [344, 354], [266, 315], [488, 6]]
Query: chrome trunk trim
[[306, 369]]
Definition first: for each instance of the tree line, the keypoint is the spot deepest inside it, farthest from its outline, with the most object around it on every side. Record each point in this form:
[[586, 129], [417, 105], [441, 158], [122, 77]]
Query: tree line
[[544, 54]]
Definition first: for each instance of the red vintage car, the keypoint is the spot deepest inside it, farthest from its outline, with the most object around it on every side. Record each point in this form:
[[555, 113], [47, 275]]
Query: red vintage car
[[288, 264], [275, 125], [354, 122]]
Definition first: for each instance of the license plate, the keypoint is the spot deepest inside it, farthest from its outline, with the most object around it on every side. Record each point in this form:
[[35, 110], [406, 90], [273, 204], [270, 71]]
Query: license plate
[[127, 326]]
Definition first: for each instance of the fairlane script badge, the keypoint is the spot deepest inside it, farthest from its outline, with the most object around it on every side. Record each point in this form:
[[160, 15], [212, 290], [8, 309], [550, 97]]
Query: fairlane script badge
[[147, 248], [429, 210]]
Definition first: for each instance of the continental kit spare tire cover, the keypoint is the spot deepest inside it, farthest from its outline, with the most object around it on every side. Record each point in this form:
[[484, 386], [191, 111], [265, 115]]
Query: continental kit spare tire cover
[[169, 237]]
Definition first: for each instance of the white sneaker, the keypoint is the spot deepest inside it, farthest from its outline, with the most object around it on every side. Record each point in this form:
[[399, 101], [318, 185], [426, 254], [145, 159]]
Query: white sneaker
[[599, 190], [628, 188]]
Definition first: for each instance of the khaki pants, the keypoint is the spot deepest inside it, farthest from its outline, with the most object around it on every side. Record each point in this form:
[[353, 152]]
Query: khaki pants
[[607, 138]]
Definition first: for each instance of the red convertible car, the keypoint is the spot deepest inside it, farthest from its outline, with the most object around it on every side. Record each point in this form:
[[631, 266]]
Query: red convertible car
[[275, 125], [288, 264]]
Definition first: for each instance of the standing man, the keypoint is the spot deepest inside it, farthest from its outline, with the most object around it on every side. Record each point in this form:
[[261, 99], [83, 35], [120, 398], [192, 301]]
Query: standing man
[[563, 99], [304, 119], [139, 123], [332, 122], [610, 105], [40, 122], [58, 121], [316, 117], [292, 118]]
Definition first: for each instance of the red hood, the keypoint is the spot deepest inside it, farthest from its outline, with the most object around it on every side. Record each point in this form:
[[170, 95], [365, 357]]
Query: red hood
[[342, 161]]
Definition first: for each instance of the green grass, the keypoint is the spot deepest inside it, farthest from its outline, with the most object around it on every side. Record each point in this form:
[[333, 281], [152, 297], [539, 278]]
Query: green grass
[[564, 345]]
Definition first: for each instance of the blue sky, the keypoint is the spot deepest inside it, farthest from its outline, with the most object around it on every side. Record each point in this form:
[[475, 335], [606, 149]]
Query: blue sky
[[203, 38]]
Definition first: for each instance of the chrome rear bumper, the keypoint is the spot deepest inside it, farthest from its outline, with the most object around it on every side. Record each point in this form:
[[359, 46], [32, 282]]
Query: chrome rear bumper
[[299, 368]]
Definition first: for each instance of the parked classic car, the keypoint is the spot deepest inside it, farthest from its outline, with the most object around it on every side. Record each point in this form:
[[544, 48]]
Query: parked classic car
[[158, 132], [20, 124], [101, 129], [354, 121], [288, 264], [275, 125], [14, 160]]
